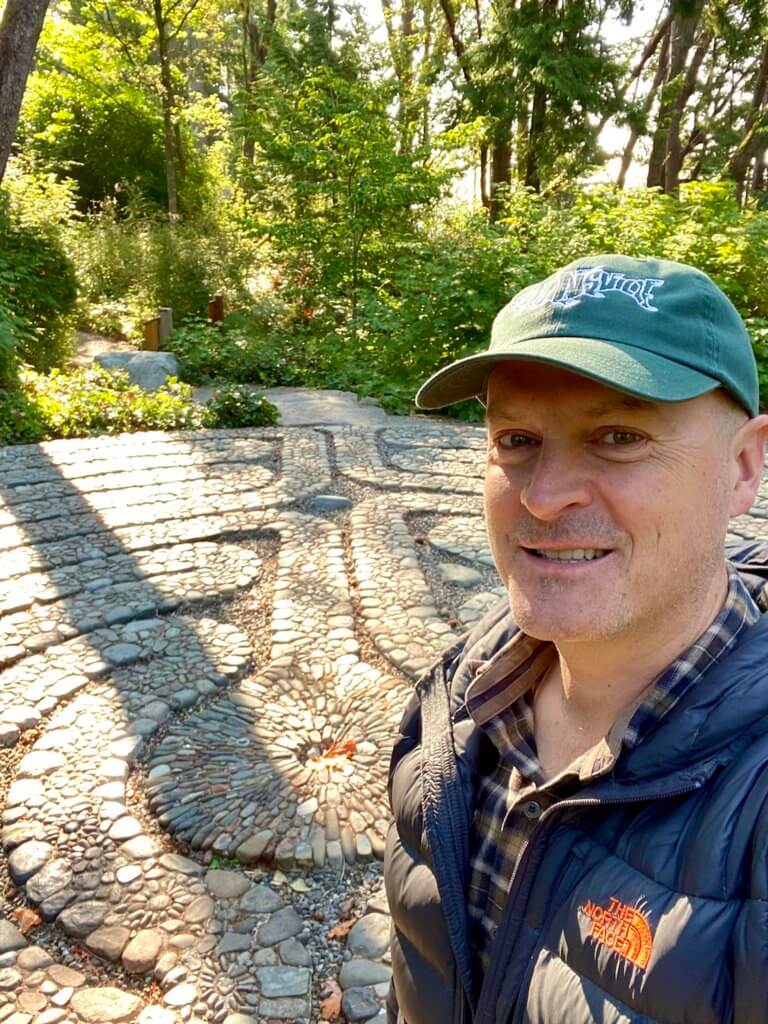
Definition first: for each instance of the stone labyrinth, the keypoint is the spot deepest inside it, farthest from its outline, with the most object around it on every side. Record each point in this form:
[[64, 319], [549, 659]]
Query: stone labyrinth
[[206, 644]]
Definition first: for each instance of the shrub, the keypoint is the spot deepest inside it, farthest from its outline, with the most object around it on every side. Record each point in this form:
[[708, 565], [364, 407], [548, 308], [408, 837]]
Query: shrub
[[131, 265], [237, 405], [92, 401], [241, 349], [38, 290], [21, 420]]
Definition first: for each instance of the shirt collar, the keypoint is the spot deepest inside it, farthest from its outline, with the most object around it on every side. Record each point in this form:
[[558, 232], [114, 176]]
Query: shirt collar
[[495, 697]]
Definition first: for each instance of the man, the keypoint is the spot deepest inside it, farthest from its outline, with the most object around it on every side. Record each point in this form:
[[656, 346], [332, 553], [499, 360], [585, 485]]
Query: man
[[580, 788]]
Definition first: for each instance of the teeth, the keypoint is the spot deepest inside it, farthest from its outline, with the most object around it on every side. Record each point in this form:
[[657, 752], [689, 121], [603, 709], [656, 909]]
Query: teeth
[[571, 554]]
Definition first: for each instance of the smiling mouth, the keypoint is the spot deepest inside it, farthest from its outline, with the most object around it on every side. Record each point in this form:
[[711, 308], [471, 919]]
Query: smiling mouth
[[570, 555]]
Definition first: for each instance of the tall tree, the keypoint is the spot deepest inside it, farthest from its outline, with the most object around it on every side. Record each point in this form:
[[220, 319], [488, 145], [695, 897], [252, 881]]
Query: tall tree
[[540, 76], [702, 82], [20, 29]]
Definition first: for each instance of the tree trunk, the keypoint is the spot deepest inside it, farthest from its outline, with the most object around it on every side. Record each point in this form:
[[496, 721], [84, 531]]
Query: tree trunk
[[759, 176], [501, 170], [674, 155], [255, 52], [656, 159], [19, 32], [484, 199], [753, 139], [167, 102], [535, 133], [664, 165]]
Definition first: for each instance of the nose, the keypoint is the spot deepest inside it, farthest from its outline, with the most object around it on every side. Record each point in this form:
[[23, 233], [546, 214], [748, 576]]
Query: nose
[[557, 482]]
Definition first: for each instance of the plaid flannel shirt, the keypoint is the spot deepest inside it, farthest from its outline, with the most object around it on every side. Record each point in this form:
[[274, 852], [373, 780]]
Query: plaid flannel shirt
[[511, 799]]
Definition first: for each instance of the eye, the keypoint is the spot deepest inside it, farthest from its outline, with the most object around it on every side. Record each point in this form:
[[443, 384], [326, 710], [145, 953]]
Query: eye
[[513, 439], [617, 438]]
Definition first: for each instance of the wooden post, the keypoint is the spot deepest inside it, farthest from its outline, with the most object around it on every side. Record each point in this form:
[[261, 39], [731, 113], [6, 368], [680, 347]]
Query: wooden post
[[152, 334], [216, 309], [166, 323]]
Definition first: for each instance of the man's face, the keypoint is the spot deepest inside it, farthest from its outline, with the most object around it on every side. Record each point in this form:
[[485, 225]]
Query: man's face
[[606, 514]]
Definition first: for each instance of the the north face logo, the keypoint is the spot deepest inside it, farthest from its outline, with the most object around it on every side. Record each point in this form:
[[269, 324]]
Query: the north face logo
[[622, 929], [569, 288]]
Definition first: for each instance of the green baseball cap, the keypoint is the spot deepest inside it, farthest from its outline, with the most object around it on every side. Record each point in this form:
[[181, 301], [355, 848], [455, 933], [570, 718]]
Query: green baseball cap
[[651, 328]]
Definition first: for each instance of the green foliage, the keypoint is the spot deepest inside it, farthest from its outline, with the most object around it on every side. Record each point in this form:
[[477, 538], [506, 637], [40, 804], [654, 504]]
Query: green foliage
[[10, 330], [21, 419], [438, 288], [545, 68], [329, 171], [758, 331], [237, 405], [703, 226], [245, 349], [89, 402], [131, 266], [92, 110], [37, 291]]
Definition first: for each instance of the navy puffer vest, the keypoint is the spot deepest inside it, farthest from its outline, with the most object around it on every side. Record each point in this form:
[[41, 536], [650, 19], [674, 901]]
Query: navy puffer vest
[[644, 899]]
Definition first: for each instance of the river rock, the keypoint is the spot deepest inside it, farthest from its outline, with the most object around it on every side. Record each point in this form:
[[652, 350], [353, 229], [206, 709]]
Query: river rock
[[105, 1005]]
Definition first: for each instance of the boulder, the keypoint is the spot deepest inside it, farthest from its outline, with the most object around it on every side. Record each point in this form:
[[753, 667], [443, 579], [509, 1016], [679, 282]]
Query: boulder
[[150, 370]]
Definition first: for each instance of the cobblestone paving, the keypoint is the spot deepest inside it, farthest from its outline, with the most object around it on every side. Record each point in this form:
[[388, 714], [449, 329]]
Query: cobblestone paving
[[181, 767]]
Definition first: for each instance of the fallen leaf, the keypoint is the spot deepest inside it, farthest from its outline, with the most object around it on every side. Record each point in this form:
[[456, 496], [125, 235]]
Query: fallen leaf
[[342, 929], [27, 919], [330, 1007]]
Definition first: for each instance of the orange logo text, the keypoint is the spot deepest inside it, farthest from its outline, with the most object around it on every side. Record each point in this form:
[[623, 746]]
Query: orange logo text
[[622, 929]]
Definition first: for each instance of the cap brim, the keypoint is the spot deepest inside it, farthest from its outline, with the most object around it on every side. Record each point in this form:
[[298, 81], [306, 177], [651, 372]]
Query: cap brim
[[623, 367]]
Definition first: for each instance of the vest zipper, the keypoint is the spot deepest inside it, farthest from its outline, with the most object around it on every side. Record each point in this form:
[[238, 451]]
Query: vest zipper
[[522, 882]]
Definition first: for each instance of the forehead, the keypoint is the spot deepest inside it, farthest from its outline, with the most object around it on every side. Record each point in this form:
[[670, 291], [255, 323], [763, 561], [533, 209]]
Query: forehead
[[516, 387]]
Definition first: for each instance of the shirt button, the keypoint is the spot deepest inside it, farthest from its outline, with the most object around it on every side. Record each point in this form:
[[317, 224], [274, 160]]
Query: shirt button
[[532, 810]]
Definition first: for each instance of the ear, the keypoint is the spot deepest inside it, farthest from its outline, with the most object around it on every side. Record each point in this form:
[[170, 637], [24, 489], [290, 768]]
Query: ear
[[748, 462]]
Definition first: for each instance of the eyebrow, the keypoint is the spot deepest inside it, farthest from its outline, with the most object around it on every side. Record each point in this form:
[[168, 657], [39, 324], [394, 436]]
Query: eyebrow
[[623, 404], [627, 402]]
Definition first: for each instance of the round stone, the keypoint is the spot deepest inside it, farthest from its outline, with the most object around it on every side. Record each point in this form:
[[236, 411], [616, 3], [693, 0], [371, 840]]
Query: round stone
[[140, 848], [359, 1004], [27, 859], [128, 873], [123, 654], [369, 938], [39, 763], [10, 937], [55, 875], [180, 995], [125, 828], [175, 862], [226, 885], [461, 575], [80, 919], [200, 909], [66, 976], [282, 925], [33, 958], [359, 973], [142, 951], [10, 978], [108, 942], [105, 1005], [155, 1014], [253, 848], [31, 1002], [295, 953], [260, 899]]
